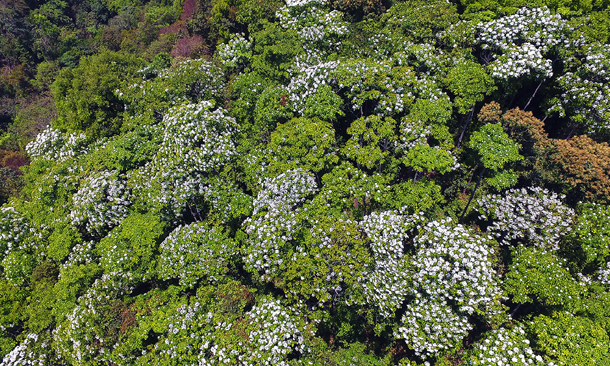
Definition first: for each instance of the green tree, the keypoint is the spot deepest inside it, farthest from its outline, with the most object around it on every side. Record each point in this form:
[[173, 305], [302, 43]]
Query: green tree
[[85, 96]]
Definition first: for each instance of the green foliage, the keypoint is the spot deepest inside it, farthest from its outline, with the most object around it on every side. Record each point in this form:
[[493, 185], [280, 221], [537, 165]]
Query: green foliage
[[329, 266], [469, 82], [85, 96], [421, 21], [533, 272], [301, 142], [570, 340], [274, 50], [324, 104], [272, 107], [132, 247], [287, 198], [494, 147], [350, 190], [75, 279], [371, 142], [353, 354], [420, 196], [189, 81], [588, 244]]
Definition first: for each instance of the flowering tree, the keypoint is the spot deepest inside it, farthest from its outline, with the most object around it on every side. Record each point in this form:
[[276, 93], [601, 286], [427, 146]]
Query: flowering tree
[[533, 214], [291, 198], [452, 278], [585, 92]]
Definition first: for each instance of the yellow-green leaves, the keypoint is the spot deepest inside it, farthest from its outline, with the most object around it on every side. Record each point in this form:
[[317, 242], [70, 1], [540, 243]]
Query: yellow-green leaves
[[494, 147]]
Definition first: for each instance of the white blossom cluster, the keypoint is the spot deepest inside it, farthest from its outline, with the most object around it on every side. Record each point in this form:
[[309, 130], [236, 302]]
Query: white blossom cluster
[[356, 77], [14, 228], [101, 202], [237, 51], [197, 142], [185, 325], [318, 28], [340, 269], [197, 139], [413, 133], [430, 326], [287, 189], [414, 141], [521, 61], [534, 25], [81, 253], [306, 80], [276, 333], [395, 88], [268, 333], [51, 144], [586, 93], [420, 55], [303, 3], [505, 346], [195, 251], [188, 81], [603, 274], [524, 38], [532, 213], [81, 336], [421, 90], [274, 223], [167, 192], [387, 285], [453, 266], [22, 356]]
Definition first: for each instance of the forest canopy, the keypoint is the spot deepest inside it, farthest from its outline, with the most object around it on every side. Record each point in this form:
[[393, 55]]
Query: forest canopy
[[245, 182]]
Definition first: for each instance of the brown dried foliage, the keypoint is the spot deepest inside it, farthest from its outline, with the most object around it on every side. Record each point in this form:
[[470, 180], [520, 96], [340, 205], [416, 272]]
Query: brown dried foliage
[[188, 9], [581, 163], [190, 47], [12, 160]]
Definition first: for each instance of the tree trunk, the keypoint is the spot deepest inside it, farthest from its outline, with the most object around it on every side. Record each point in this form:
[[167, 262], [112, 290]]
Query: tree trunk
[[465, 126], [473, 192]]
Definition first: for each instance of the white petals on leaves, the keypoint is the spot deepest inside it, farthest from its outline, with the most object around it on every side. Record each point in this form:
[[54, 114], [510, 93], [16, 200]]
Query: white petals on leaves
[[430, 326], [521, 61], [265, 336], [51, 144], [14, 231], [504, 346], [586, 92], [523, 39], [387, 285], [22, 354], [454, 266], [320, 30], [237, 51], [80, 336], [197, 143], [287, 189], [193, 252], [532, 213], [101, 202], [277, 333], [603, 275], [274, 222]]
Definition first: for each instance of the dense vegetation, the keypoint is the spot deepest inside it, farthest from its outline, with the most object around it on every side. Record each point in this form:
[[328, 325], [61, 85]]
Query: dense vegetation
[[245, 182]]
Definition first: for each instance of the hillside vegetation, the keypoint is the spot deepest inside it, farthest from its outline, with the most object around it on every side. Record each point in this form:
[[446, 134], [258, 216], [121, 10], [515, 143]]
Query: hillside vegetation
[[246, 182]]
